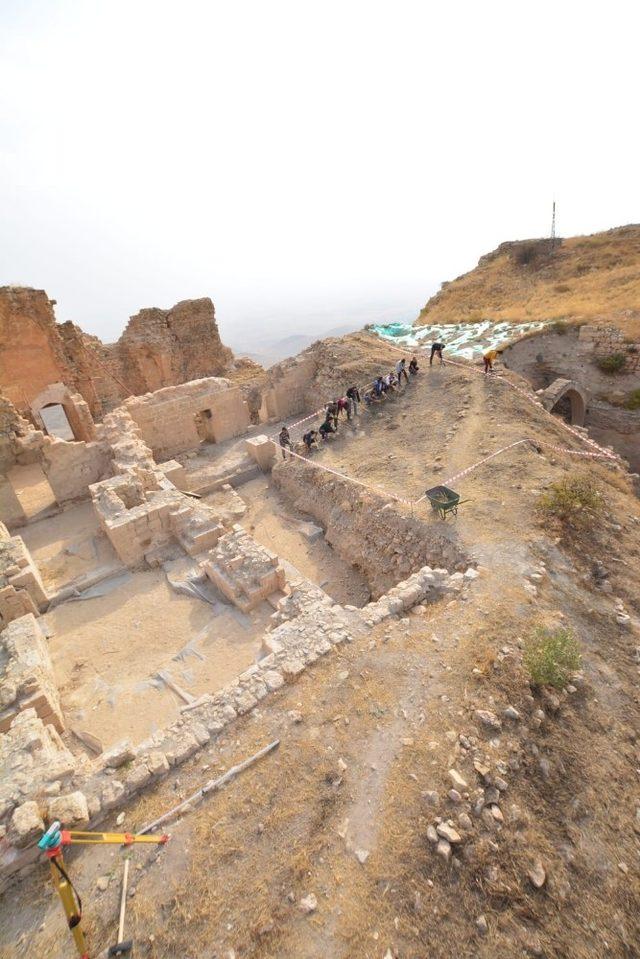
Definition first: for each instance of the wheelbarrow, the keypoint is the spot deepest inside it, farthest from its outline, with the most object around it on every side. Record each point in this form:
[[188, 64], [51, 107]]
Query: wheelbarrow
[[444, 500]]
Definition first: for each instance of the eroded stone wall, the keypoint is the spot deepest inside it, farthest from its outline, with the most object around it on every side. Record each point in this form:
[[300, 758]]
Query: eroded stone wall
[[158, 348], [368, 532]]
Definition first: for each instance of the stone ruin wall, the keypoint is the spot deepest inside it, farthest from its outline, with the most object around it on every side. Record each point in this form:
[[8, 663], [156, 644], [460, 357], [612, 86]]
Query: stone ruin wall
[[158, 348], [606, 340], [176, 419], [368, 531]]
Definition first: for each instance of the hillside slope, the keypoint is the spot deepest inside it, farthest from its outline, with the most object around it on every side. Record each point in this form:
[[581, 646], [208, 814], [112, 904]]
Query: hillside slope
[[596, 278]]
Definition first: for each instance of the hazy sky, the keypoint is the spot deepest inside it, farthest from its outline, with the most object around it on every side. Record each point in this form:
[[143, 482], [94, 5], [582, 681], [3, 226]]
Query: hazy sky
[[298, 158]]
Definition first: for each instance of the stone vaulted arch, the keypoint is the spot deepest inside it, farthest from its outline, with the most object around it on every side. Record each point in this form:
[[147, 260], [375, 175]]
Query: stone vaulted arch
[[572, 391]]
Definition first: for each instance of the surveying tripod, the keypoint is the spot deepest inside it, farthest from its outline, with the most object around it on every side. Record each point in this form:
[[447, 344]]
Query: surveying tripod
[[51, 844]]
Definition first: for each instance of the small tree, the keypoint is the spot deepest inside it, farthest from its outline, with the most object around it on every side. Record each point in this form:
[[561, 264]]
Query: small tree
[[551, 656]]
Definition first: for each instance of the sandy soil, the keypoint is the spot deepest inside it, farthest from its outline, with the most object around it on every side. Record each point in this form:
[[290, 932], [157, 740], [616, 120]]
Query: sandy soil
[[276, 525], [106, 652], [68, 545], [381, 724]]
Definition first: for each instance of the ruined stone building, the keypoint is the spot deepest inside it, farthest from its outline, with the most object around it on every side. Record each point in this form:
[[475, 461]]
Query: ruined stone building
[[158, 348]]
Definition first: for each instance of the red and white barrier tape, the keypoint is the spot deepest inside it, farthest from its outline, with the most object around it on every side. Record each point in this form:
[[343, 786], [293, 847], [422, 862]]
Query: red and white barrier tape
[[351, 479], [532, 399]]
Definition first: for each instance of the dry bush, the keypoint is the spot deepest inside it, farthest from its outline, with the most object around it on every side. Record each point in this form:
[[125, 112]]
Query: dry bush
[[632, 401], [527, 254], [614, 363], [573, 501], [551, 657]]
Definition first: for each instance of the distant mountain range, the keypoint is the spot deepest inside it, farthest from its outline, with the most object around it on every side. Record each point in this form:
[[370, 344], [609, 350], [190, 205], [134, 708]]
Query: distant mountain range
[[267, 348]]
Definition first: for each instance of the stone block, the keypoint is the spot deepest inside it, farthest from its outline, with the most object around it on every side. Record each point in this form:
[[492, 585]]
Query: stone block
[[26, 824], [71, 809]]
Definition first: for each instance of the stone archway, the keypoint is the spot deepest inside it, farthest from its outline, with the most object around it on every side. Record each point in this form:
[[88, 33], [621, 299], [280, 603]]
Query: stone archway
[[567, 390], [75, 408]]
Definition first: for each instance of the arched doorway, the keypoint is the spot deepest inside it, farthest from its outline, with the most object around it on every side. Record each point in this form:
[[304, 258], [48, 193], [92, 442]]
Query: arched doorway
[[571, 406]]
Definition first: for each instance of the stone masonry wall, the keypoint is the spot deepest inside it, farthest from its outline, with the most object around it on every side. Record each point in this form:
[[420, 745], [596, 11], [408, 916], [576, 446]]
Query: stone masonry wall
[[179, 418], [368, 532], [26, 676]]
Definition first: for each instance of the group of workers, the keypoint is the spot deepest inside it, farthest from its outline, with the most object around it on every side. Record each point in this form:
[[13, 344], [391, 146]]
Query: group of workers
[[349, 405], [378, 390]]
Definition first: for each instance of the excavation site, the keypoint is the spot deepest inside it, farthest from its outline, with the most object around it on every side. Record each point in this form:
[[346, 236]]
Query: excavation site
[[324, 652]]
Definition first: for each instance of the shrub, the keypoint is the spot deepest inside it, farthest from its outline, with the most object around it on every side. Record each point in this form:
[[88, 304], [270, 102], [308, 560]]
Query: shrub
[[526, 253], [613, 363], [562, 288], [572, 501], [551, 656], [632, 401], [560, 326]]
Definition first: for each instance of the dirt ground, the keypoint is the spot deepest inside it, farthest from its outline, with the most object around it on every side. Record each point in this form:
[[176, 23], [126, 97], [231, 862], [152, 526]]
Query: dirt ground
[[68, 545], [277, 526], [341, 809], [32, 489], [107, 652]]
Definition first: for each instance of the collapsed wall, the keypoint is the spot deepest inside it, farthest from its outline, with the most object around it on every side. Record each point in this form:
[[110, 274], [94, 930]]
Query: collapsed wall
[[367, 531], [158, 348]]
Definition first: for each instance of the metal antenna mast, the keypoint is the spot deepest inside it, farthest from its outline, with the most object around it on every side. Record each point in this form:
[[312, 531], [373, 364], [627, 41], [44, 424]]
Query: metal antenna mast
[[553, 226]]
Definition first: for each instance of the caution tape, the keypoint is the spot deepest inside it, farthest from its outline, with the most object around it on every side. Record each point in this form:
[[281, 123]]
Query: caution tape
[[344, 476], [532, 399]]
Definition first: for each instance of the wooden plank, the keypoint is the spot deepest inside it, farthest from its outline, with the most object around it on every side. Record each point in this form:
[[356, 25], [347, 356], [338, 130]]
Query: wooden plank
[[87, 739], [178, 690]]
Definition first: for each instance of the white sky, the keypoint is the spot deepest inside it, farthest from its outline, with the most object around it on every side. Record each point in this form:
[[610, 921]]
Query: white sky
[[292, 158]]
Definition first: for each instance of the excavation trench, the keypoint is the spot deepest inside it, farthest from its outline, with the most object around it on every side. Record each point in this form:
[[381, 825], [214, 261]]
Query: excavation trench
[[378, 538]]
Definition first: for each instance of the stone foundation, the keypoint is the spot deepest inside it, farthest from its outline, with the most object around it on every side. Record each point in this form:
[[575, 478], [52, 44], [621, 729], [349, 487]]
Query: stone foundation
[[26, 675], [21, 588], [243, 571]]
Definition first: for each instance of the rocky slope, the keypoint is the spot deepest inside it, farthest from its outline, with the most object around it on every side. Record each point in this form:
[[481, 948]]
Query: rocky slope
[[594, 278]]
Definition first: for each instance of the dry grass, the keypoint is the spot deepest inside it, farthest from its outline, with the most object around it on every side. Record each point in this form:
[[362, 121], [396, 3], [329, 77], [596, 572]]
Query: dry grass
[[588, 278]]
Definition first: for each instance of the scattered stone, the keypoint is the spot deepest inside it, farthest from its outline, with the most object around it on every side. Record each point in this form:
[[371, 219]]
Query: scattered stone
[[481, 769], [443, 849], [102, 882], [454, 795], [362, 855], [482, 925], [622, 866], [496, 812], [432, 835], [295, 716], [488, 719], [431, 796], [342, 766], [308, 904], [464, 821], [491, 796], [500, 783], [119, 819], [457, 780], [537, 875], [448, 832], [511, 713]]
